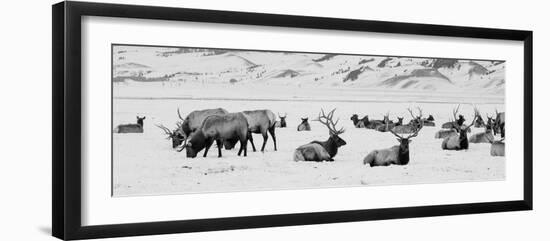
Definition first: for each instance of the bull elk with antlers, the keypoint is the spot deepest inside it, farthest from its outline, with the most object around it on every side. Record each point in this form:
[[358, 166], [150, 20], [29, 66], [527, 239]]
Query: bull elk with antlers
[[460, 141], [176, 136], [397, 155], [412, 126], [319, 151]]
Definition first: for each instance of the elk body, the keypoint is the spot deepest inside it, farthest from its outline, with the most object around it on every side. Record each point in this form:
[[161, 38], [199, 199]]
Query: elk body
[[397, 155], [499, 123], [483, 137], [445, 133], [497, 148], [358, 123], [193, 121], [218, 128], [304, 126], [131, 128], [319, 151], [261, 122], [460, 141]]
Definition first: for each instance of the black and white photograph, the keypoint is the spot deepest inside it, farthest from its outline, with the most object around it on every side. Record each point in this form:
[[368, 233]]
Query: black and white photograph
[[189, 119]]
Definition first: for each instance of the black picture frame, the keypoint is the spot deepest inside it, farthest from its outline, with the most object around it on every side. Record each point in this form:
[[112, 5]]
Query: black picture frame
[[66, 127]]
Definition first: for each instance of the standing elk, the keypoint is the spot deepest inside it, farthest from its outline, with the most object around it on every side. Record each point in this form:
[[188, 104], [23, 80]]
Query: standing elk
[[219, 128], [319, 151], [175, 135], [282, 122], [497, 148], [131, 128], [499, 122], [304, 126], [397, 155], [460, 141], [261, 122], [194, 120]]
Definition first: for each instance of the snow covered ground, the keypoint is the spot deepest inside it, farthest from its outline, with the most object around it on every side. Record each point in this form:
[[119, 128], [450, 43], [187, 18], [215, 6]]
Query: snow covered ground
[[155, 81], [145, 164]]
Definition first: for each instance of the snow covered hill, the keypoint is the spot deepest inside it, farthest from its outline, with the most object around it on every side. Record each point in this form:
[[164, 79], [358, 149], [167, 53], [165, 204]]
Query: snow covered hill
[[219, 66]]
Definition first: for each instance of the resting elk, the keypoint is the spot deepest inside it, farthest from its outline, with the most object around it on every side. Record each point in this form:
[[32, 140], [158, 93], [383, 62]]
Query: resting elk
[[282, 122], [412, 126], [319, 151], [194, 120], [483, 137], [397, 155], [176, 136], [131, 128], [415, 121], [232, 126], [497, 148], [304, 126], [358, 123], [460, 141]]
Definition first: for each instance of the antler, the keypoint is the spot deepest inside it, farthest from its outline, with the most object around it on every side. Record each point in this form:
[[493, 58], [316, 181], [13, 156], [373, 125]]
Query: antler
[[281, 116], [476, 113], [419, 112], [411, 112], [166, 130], [327, 121], [414, 134], [179, 115]]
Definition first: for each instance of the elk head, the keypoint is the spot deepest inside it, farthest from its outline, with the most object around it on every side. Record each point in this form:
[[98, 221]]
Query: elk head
[[196, 142], [457, 123], [283, 119], [304, 120], [404, 144], [326, 119], [430, 118], [140, 120], [399, 121], [176, 137]]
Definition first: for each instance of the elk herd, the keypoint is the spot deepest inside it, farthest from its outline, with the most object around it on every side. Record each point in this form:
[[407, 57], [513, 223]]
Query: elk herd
[[200, 129]]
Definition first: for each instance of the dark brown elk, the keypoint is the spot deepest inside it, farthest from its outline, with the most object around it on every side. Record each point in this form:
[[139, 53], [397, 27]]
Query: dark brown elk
[[175, 135], [460, 141], [304, 126], [282, 121], [261, 122], [497, 148], [194, 120], [319, 151], [131, 128], [397, 155], [218, 128], [415, 121]]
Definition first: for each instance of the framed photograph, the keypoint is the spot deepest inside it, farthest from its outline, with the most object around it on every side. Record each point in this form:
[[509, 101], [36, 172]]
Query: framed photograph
[[172, 120]]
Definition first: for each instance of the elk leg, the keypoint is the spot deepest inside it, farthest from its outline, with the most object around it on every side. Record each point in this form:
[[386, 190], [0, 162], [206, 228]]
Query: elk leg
[[243, 147], [219, 144], [264, 135], [209, 143], [272, 132], [249, 136]]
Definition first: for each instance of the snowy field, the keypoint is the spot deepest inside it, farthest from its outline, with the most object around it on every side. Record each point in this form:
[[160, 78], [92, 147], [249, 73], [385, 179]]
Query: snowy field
[[145, 164]]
